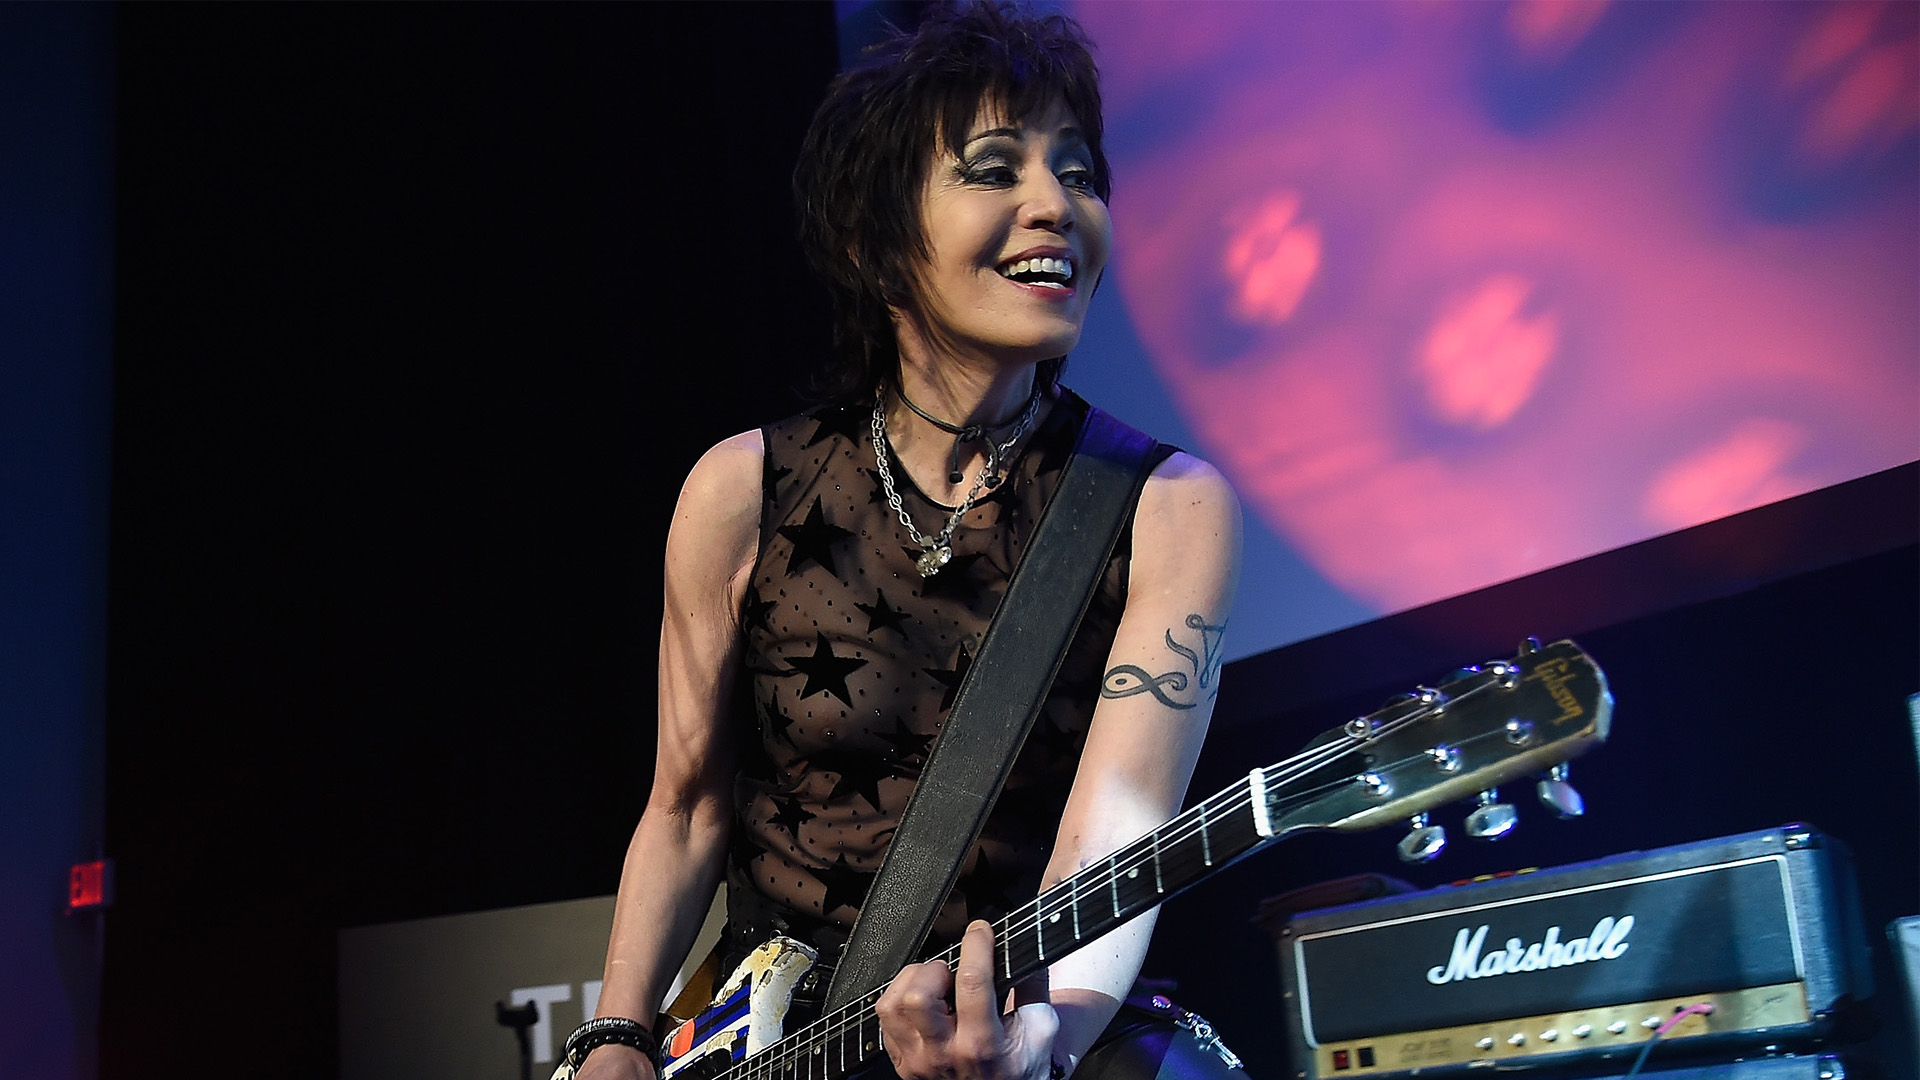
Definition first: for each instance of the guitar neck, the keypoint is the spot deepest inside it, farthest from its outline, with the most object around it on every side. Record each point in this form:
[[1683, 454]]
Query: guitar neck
[[1073, 913], [1131, 881]]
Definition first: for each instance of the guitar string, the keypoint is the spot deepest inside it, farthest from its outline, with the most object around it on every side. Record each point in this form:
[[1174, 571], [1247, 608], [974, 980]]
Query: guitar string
[[1139, 853], [853, 1016]]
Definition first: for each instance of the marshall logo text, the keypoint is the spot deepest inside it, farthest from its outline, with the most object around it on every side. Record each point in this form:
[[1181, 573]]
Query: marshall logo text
[[1607, 942]]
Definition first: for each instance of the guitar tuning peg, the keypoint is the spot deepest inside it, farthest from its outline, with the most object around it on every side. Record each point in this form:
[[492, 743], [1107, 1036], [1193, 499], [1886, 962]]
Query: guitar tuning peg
[[1559, 796], [1494, 819], [1530, 646], [1423, 842]]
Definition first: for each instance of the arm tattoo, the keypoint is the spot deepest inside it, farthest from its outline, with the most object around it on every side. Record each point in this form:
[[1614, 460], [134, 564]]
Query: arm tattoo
[[1126, 680]]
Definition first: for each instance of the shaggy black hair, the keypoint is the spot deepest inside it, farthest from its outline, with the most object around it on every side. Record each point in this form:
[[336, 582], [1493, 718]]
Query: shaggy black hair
[[864, 164]]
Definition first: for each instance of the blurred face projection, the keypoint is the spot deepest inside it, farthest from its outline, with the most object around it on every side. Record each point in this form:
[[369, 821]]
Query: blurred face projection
[[1458, 291]]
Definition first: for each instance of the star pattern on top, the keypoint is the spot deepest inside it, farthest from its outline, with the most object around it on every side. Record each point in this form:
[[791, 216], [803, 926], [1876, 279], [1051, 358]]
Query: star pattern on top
[[813, 539], [909, 746], [846, 886], [753, 611], [881, 615], [789, 815], [859, 772], [776, 724], [950, 677], [849, 422], [771, 475], [826, 672]]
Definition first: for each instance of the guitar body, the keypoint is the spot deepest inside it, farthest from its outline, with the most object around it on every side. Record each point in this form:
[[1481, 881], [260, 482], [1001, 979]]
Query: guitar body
[[746, 1016]]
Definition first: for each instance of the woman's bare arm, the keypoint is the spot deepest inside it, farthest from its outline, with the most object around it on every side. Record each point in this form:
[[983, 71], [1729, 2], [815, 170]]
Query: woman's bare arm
[[1156, 700], [678, 850]]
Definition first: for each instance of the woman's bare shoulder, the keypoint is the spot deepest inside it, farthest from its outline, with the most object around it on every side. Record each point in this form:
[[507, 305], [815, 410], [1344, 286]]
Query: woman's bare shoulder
[[1186, 483], [716, 525]]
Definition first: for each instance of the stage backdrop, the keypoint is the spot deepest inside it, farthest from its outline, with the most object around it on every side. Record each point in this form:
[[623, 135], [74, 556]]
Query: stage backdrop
[[1457, 291]]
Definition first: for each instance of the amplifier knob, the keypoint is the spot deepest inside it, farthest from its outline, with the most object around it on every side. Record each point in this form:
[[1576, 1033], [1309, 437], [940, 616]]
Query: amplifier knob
[[1583, 1031], [1516, 1039], [1485, 1043], [1550, 1035], [1617, 1027], [1650, 1023]]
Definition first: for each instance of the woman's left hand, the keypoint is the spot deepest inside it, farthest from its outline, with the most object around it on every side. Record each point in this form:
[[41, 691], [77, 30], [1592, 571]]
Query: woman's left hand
[[929, 1038]]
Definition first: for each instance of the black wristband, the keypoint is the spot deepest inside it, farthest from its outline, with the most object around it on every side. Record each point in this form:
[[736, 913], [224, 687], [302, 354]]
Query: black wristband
[[608, 1031]]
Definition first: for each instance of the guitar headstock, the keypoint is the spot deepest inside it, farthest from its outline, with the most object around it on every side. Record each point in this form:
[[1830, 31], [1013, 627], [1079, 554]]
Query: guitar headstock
[[1484, 727]]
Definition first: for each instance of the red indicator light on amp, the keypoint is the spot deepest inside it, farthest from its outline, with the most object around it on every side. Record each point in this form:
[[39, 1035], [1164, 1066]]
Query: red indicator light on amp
[[90, 886]]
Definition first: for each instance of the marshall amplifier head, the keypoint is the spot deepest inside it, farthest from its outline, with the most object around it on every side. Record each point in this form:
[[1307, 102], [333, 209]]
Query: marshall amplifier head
[[1577, 967]]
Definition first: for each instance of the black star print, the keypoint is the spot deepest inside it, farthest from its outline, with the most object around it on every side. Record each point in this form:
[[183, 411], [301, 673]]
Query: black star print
[[813, 539], [790, 816], [985, 890], [860, 773], [954, 581], [776, 724], [951, 677], [908, 745], [880, 615], [771, 475], [825, 672], [851, 422], [846, 887], [753, 613]]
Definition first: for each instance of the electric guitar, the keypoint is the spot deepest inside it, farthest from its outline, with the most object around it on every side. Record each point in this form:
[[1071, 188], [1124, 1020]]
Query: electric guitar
[[1479, 729]]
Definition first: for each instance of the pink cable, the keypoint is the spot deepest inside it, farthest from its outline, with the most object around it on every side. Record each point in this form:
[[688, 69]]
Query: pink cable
[[1698, 1008]]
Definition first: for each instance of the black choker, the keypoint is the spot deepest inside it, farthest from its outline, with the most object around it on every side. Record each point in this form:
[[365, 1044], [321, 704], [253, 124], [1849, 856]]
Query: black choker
[[973, 433]]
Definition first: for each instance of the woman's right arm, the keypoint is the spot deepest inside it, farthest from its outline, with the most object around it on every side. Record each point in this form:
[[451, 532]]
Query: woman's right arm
[[678, 851]]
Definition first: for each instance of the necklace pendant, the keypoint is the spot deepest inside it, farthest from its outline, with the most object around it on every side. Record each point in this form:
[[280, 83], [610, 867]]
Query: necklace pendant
[[932, 559]]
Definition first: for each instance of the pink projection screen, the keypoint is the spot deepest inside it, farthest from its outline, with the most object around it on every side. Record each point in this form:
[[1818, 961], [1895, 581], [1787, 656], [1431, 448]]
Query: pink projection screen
[[1458, 291]]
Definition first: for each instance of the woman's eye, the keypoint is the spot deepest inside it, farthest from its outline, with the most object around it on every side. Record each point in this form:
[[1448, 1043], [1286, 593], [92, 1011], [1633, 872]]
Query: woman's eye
[[1079, 179], [989, 174]]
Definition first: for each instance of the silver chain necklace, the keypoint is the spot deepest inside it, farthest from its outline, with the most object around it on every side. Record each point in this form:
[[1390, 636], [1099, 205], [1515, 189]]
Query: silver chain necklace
[[938, 551]]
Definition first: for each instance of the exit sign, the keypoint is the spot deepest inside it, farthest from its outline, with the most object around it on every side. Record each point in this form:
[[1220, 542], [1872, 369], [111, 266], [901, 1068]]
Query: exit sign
[[90, 886]]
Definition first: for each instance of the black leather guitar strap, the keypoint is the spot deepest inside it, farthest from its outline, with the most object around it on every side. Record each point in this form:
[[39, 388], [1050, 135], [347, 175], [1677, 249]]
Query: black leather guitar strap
[[998, 702]]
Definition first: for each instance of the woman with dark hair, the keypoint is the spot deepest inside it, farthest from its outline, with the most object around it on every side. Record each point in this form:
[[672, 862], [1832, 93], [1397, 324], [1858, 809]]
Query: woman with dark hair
[[829, 577]]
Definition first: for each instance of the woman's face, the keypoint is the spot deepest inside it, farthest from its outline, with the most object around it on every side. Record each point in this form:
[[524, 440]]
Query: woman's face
[[1016, 239]]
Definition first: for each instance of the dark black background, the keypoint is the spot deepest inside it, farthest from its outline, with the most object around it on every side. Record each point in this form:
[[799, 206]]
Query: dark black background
[[423, 313]]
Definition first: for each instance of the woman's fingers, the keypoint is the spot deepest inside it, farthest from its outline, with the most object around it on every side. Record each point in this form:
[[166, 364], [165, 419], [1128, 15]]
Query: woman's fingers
[[914, 1018], [976, 1006], [929, 1039]]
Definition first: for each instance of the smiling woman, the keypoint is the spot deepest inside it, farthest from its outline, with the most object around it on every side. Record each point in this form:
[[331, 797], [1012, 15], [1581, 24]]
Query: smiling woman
[[842, 567]]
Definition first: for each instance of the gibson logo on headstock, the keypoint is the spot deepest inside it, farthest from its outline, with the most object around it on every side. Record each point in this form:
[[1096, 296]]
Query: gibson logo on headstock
[[1555, 675]]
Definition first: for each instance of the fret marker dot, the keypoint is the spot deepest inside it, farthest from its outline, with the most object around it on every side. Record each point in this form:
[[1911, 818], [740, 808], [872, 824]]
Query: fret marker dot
[[1133, 873], [1055, 918]]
